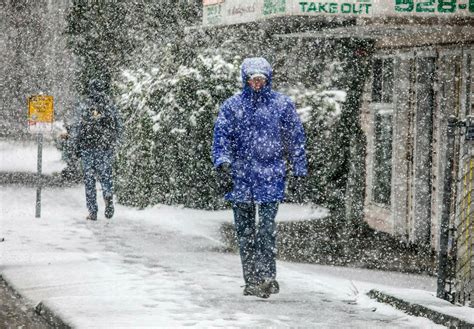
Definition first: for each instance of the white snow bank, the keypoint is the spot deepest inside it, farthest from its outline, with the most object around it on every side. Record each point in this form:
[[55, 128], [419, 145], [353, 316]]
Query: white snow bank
[[23, 156], [157, 268]]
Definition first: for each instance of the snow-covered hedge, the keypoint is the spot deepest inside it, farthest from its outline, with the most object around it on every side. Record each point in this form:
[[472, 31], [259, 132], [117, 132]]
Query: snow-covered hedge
[[320, 110], [169, 117]]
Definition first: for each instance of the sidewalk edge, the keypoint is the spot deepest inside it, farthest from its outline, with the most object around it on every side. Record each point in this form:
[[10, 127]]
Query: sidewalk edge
[[41, 309], [420, 310], [49, 316]]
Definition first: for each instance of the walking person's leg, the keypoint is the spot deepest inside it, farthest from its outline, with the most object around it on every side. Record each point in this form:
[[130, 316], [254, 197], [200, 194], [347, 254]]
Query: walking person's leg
[[88, 164], [266, 245], [244, 218], [104, 171]]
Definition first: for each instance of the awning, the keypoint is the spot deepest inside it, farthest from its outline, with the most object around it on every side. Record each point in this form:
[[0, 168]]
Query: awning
[[393, 34]]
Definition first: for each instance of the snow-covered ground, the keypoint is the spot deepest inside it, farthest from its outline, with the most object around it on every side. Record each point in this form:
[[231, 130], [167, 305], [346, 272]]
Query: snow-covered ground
[[23, 156], [160, 267]]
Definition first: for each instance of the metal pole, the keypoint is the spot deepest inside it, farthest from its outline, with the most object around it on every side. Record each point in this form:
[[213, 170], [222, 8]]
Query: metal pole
[[444, 235], [39, 174]]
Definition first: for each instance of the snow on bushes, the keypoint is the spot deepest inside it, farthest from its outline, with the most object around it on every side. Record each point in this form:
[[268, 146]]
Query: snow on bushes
[[169, 117]]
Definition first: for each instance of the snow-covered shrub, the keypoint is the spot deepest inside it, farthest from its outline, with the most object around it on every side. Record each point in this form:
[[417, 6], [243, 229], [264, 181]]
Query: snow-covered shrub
[[169, 118], [320, 110]]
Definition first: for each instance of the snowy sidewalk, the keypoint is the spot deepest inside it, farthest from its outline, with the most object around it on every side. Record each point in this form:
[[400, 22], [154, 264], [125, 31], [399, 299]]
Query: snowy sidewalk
[[161, 267]]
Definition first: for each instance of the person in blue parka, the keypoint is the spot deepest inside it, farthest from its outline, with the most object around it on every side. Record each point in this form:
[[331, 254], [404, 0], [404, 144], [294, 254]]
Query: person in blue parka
[[257, 134]]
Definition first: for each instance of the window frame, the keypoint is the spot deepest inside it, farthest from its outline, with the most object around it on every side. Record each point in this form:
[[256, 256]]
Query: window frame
[[382, 81], [382, 178], [382, 104]]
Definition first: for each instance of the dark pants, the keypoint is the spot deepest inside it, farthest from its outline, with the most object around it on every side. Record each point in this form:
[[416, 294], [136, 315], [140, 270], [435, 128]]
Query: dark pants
[[97, 163], [257, 244]]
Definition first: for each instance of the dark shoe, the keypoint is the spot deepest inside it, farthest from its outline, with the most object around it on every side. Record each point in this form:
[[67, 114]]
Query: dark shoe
[[248, 290], [92, 217], [109, 207], [272, 286], [255, 290]]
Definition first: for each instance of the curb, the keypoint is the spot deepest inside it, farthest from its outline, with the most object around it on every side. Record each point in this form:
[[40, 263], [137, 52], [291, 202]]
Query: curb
[[53, 320], [50, 317], [420, 310]]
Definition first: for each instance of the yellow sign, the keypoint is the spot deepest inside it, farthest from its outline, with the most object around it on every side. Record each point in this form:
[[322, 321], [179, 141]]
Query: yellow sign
[[40, 109]]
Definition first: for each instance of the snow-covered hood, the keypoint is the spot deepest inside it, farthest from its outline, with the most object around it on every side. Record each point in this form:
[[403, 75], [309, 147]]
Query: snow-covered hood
[[256, 65]]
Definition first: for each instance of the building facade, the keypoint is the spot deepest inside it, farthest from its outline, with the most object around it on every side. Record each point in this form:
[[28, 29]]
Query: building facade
[[418, 105]]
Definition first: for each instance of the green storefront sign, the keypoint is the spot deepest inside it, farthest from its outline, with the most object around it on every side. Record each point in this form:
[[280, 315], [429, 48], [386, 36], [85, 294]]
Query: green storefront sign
[[238, 11], [274, 7], [335, 7], [213, 14], [433, 6]]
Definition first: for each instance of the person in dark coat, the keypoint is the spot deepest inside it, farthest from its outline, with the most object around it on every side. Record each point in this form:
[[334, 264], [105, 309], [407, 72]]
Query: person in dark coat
[[96, 137], [257, 132]]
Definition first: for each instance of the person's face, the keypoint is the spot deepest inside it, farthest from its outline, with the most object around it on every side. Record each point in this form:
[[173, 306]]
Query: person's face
[[257, 83]]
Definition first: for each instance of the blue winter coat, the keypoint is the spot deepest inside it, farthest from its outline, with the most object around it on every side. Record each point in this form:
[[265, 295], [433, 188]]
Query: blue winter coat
[[257, 133]]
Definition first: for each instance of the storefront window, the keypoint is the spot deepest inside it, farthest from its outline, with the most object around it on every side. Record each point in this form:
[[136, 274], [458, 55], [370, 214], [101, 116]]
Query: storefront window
[[382, 80], [382, 157]]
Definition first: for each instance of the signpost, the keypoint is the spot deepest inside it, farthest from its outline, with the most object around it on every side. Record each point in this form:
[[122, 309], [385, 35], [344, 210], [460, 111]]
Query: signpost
[[40, 120]]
